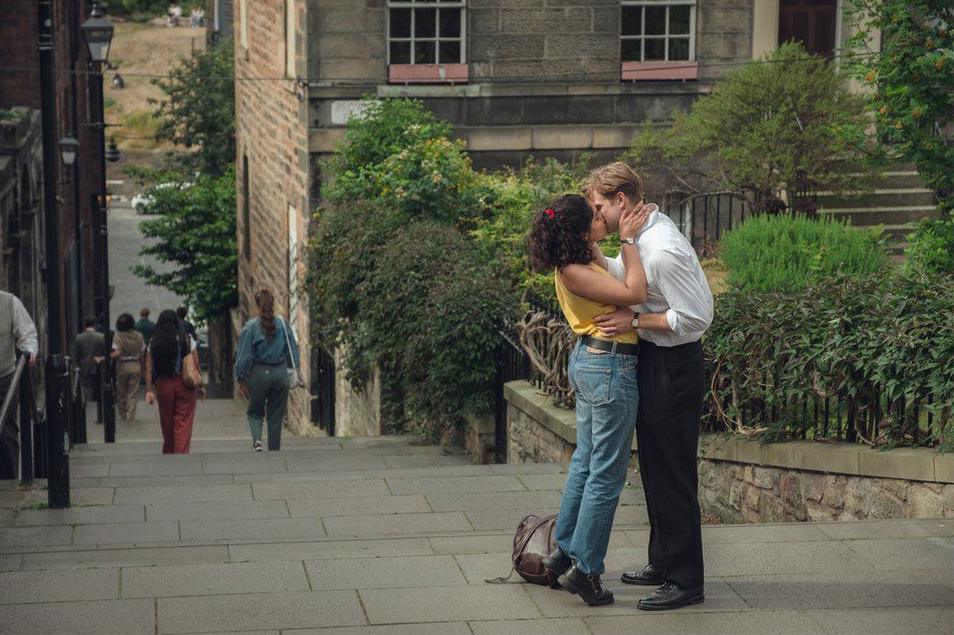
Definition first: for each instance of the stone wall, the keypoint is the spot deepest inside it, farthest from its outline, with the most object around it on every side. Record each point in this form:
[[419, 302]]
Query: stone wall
[[271, 132], [745, 481]]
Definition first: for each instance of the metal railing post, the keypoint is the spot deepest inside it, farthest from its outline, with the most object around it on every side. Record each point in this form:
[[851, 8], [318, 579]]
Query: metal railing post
[[57, 435]]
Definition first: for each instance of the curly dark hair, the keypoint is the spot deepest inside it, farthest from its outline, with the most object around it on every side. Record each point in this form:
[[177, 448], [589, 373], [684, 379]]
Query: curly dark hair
[[560, 240]]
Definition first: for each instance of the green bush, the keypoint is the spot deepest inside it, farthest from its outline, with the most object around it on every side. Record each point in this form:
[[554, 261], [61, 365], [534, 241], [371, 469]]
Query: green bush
[[931, 247], [786, 253], [422, 306], [880, 342]]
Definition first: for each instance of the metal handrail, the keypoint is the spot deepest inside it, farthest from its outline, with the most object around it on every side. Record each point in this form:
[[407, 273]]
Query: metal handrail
[[14, 389], [21, 385]]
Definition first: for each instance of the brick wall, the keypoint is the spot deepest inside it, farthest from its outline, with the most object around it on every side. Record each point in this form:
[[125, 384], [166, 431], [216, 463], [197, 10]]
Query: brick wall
[[271, 131]]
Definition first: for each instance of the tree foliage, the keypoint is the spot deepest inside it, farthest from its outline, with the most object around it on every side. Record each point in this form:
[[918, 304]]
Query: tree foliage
[[195, 232], [198, 111], [764, 128], [911, 81]]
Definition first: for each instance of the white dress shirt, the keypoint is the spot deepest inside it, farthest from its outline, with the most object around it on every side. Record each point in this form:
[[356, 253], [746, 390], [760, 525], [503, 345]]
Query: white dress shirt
[[24, 330], [675, 282]]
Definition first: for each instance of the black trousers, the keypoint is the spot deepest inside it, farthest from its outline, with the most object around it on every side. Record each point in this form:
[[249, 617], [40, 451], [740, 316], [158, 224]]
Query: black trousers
[[671, 390], [9, 459]]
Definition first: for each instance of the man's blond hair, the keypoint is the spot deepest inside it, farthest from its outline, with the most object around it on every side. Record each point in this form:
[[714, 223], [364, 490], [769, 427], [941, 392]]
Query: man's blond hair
[[609, 179]]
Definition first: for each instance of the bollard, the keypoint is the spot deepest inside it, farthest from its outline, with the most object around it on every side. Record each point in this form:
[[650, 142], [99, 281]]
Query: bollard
[[78, 420], [58, 401]]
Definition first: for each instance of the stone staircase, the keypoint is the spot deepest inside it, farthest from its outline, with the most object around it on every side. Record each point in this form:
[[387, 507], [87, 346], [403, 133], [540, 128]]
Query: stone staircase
[[900, 199]]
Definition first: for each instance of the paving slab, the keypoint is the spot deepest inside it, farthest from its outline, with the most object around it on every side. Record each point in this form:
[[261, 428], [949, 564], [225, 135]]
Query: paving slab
[[924, 620], [156, 481], [333, 463], [447, 604], [167, 467], [494, 501], [258, 530], [94, 515], [330, 549], [126, 534], [390, 524], [10, 561], [905, 553], [262, 463], [733, 559], [358, 506], [339, 475], [563, 626], [422, 460], [213, 579], [529, 468], [487, 543], [287, 490], [441, 628], [740, 534], [846, 589], [132, 617], [35, 536], [28, 587], [259, 611], [385, 573], [701, 623], [174, 494], [93, 496], [467, 484], [543, 481], [504, 519], [874, 529], [430, 472], [147, 556], [215, 510]]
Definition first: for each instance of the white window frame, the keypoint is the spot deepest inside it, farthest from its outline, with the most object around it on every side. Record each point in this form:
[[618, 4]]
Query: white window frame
[[666, 35], [439, 4], [290, 26]]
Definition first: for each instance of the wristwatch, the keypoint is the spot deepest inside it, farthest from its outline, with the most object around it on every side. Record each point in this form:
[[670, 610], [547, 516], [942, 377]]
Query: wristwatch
[[627, 241], [636, 321]]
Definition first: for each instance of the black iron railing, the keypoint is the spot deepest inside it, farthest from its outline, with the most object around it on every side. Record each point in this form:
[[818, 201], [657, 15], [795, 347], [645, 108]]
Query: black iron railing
[[512, 364], [18, 418]]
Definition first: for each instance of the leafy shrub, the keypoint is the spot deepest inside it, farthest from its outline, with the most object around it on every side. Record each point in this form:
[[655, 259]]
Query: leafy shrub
[[422, 306], [880, 342], [787, 253], [764, 128], [931, 247]]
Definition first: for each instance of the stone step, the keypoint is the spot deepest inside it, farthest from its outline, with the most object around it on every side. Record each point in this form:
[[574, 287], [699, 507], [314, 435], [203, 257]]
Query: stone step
[[877, 198], [869, 217]]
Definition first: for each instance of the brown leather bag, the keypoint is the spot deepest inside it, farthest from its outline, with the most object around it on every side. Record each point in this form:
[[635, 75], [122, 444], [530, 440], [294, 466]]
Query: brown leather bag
[[534, 539], [191, 375]]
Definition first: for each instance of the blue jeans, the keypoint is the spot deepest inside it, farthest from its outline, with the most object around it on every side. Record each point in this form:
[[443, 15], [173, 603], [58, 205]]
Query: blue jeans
[[607, 397]]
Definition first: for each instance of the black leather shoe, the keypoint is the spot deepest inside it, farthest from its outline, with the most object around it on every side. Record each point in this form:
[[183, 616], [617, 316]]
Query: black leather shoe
[[671, 596], [588, 587], [557, 562], [650, 575]]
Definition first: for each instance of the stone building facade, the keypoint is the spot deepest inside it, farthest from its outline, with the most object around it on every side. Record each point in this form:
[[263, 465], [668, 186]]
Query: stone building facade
[[76, 186], [516, 78]]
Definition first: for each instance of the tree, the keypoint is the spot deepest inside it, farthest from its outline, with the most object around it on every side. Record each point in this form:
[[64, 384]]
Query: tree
[[195, 231], [198, 112], [765, 128], [911, 81]]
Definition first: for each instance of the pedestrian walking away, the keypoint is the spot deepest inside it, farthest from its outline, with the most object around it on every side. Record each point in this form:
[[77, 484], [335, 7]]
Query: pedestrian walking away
[[17, 335], [128, 351], [670, 324], [144, 325], [182, 313], [602, 371], [267, 349], [89, 351], [168, 353]]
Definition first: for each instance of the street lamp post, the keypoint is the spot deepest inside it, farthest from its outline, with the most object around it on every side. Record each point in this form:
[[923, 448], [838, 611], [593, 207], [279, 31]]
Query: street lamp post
[[98, 33]]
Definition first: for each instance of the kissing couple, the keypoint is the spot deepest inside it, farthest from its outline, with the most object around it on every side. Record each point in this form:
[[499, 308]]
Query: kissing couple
[[637, 364]]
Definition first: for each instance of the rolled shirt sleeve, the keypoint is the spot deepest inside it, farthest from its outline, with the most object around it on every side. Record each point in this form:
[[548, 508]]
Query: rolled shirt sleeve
[[25, 329], [687, 293]]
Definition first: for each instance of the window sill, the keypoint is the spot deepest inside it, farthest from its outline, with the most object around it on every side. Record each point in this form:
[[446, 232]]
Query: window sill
[[655, 71], [427, 73]]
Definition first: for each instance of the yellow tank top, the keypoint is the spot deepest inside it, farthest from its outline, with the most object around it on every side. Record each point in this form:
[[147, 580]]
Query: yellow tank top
[[580, 312]]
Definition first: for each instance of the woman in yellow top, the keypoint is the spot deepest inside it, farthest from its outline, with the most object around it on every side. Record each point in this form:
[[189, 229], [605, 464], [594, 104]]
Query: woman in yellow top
[[602, 372]]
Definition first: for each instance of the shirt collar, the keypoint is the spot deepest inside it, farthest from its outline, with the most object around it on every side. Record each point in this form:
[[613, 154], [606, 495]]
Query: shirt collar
[[649, 223]]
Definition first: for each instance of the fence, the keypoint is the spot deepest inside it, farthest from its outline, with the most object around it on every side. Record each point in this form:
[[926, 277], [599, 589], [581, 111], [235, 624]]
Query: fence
[[18, 423]]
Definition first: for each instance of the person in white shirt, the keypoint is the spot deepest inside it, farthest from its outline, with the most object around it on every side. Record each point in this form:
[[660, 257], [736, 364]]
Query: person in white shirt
[[17, 333], [670, 325]]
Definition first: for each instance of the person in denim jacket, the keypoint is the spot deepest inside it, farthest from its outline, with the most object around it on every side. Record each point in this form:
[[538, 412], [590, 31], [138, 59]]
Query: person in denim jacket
[[266, 348], [602, 372]]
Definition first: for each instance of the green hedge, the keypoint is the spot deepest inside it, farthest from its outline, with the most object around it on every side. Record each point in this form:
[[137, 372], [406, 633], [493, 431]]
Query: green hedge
[[931, 247], [878, 341], [788, 253]]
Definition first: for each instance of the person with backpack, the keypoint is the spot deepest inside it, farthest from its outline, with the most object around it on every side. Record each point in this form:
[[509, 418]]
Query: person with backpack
[[266, 365], [173, 381]]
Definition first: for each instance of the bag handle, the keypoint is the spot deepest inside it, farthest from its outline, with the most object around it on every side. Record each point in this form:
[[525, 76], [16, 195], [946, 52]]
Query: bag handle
[[523, 545]]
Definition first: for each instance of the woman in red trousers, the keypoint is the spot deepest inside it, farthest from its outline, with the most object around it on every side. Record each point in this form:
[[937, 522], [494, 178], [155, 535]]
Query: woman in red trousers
[[168, 349]]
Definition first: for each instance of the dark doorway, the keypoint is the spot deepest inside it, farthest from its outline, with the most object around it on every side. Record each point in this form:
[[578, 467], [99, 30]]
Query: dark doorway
[[811, 22]]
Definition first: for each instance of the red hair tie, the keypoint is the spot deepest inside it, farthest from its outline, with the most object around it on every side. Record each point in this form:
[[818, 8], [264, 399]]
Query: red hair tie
[[550, 213]]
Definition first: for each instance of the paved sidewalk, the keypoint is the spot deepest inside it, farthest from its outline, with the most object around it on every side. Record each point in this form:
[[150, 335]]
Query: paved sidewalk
[[375, 536]]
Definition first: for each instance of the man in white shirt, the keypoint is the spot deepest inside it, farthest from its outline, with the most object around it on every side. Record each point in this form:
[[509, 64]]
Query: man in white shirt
[[17, 333], [670, 325]]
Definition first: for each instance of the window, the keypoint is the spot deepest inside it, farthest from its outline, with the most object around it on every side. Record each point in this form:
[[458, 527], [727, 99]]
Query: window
[[658, 31], [426, 32], [246, 211]]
